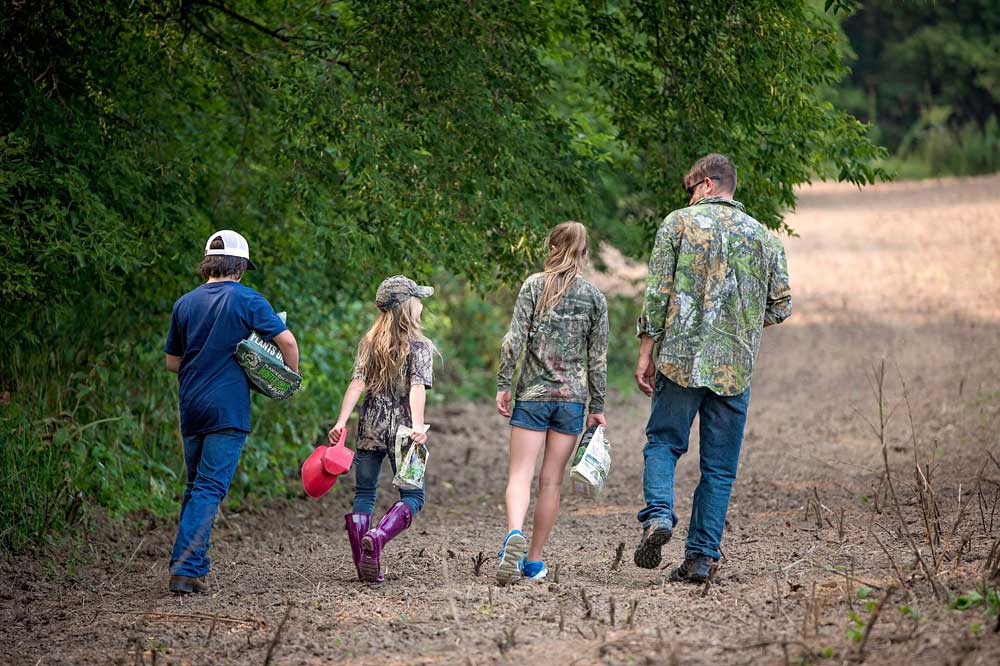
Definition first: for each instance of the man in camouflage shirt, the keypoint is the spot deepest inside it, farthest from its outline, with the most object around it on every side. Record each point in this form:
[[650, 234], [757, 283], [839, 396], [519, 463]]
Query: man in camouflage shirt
[[717, 277]]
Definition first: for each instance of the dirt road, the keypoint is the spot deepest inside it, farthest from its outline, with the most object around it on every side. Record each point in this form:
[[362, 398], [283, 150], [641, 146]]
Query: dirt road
[[907, 272]]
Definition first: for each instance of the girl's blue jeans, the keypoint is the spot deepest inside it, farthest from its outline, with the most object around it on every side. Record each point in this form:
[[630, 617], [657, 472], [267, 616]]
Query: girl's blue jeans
[[211, 460], [367, 466], [722, 419]]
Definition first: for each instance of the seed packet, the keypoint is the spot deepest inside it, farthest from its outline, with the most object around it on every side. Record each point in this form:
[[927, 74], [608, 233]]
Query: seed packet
[[265, 367], [591, 463], [411, 459]]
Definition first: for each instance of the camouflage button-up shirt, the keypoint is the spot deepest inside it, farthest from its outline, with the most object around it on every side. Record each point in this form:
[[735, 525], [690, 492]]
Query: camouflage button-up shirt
[[716, 278], [565, 348]]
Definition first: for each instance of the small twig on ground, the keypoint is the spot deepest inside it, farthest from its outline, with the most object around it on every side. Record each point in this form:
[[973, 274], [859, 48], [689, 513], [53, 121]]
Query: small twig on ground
[[211, 628], [477, 563], [962, 507], [188, 617], [555, 573], [507, 640], [872, 620], [562, 617], [619, 552], [277, 636], [452, 606], [895, 567], [587, 606], [878, 388], [630, 622], [991, 568], [611, 610]]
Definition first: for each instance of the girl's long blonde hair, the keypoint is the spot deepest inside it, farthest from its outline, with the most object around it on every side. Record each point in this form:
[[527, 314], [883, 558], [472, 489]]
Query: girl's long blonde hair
[[383, 350], [568, 249]]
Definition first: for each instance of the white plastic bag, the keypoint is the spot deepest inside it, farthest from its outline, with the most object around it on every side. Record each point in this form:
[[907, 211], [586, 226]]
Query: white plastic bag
[[411, 459], [591, 463]]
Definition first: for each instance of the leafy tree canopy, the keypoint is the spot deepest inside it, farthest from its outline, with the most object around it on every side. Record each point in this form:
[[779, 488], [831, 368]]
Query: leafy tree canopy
[[917, 60], [349, 140]]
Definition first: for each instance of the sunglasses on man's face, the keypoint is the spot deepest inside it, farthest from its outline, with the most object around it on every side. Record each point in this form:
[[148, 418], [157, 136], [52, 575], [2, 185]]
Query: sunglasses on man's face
[[691, 188]]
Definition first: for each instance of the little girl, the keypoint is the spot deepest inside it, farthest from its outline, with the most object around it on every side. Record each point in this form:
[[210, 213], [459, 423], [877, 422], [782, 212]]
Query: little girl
[[394, 370], [561, 322]]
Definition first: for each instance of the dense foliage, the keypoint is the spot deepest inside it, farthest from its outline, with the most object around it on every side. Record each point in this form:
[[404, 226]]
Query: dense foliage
[[348, 141], [927, 75]]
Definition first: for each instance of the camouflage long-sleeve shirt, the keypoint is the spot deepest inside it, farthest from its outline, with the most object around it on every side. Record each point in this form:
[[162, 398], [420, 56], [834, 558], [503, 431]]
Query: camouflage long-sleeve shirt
[[716, 278], [565, 348]]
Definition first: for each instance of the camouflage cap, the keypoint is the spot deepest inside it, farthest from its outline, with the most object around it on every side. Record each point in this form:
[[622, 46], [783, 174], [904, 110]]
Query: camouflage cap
[[398, 288]]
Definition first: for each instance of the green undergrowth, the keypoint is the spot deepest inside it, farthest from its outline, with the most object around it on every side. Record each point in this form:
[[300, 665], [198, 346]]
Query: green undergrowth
[[98, 431]]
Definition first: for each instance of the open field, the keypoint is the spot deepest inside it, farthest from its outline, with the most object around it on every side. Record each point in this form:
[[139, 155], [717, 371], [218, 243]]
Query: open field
[[908, 272]]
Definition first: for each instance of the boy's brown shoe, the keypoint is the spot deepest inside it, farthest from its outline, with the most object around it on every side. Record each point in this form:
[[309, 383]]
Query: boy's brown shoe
[[188, 584]]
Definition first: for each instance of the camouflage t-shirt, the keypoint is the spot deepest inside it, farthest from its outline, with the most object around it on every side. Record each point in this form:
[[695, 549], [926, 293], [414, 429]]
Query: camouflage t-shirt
[[565, 348], [716, 278], [383, 413]]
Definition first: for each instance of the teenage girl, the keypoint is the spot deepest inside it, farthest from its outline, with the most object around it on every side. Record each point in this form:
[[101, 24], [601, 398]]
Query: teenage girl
[[393, 369], [560, 322]]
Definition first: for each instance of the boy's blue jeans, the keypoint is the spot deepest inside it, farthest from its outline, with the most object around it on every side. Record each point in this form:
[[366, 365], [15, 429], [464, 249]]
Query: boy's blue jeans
[[721, 435], [211, 461], [367, 465]]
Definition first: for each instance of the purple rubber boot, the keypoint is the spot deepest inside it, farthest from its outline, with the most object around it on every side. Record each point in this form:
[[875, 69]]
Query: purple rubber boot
[[356, 525], [395, 520]]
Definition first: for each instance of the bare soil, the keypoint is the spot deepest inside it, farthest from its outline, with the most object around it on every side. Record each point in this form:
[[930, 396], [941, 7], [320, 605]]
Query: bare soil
[[908, 273]]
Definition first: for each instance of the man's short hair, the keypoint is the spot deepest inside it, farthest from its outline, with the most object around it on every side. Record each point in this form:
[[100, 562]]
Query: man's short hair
[[715, 166], [221, 266]]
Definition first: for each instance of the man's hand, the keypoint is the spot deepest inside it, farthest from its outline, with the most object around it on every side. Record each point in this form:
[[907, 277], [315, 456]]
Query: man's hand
[[503, 403], [645, 368], [418, 437], [596, 419]]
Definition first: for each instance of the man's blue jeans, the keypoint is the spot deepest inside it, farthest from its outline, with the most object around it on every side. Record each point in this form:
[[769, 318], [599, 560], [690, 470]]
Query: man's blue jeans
[[722, 419], [367, 466], [211, 461]]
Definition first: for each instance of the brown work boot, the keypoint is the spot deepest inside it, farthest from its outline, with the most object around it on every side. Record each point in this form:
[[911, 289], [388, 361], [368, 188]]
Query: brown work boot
[[188, 584]]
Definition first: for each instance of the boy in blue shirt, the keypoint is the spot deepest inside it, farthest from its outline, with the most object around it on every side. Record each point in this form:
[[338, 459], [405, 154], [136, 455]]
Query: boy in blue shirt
[[205, 327]]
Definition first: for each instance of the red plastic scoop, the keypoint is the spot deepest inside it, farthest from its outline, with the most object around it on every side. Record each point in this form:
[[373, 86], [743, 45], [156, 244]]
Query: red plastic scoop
[[324, 465], [338, 459]]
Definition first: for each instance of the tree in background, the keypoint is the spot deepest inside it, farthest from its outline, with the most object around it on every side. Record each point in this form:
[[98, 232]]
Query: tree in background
[[927, 76], [348, 140]]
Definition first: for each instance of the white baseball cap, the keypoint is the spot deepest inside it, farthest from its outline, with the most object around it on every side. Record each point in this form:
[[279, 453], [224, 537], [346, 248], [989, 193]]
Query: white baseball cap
[[233, 245]]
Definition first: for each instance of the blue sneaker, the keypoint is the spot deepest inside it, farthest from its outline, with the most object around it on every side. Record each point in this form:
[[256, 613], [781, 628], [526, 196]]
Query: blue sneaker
[[533, 570], [515, 546]]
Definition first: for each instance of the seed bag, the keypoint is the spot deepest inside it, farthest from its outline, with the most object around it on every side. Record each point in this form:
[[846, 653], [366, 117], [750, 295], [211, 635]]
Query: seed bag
[[265, 367], [591, 463], [411, 459]]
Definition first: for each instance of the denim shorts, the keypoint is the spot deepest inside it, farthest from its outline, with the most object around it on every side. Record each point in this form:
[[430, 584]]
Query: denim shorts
[[564, 417]]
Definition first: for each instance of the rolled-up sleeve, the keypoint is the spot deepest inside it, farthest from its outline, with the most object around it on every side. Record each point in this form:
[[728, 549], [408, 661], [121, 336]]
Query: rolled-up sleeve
[[779, 291], [517, 334], [660, 280]]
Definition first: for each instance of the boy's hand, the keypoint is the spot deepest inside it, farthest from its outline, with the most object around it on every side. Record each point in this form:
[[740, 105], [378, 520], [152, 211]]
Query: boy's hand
[[596, 419], [334, 434], [503, 403], [418, 437]]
